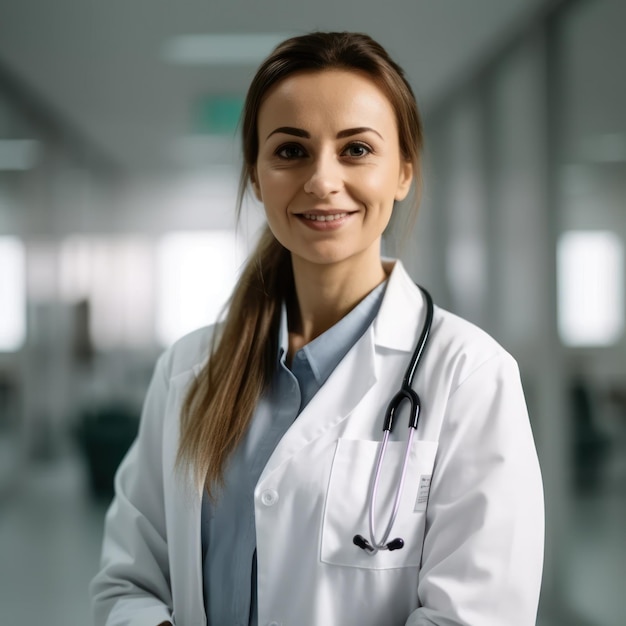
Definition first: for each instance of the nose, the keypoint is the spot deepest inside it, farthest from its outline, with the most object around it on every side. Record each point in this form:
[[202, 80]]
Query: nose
[[325, 178]]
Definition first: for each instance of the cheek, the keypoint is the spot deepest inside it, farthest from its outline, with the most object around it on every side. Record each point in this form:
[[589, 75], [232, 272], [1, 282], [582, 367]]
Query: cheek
[[277, 197], [281, 196], [377, 187], [276, 186]]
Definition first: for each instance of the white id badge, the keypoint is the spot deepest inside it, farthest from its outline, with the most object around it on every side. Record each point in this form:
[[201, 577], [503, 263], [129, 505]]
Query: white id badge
[[422, 493]]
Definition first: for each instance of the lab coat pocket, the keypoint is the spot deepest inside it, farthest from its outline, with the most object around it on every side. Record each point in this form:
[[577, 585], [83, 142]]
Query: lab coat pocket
[[347, 504]]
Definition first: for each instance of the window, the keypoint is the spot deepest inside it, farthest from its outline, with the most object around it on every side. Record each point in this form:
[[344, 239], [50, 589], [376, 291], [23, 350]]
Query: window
[[196, 274], [590, 288], [12, 294], [115, 275]]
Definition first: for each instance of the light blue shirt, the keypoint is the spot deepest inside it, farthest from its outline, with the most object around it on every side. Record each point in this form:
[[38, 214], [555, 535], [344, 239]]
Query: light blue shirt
[[228, 529]]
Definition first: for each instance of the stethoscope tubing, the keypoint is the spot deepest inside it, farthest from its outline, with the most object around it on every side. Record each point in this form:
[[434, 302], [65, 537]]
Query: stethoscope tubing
[[407, 383], [406, 393], [382, 544]]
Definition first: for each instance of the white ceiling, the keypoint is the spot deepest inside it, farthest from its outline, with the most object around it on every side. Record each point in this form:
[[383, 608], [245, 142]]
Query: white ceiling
[[98, 64]]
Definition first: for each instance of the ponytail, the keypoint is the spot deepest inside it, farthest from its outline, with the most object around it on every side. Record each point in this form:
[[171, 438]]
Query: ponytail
[[222, 399]]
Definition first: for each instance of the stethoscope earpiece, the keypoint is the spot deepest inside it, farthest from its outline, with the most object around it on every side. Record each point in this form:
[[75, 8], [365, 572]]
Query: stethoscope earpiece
[[364, 544], [396, 544], [406, 394]]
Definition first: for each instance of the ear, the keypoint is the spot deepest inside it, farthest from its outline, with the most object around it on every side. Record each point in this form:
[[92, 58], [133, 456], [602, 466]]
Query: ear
[[404, 180], [254, 181]]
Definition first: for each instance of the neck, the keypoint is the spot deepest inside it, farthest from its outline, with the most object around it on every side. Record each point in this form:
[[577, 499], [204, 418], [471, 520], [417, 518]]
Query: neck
[[326, 293]]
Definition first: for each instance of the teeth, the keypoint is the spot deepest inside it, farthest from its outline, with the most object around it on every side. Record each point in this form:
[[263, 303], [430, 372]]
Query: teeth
[[324, 218]]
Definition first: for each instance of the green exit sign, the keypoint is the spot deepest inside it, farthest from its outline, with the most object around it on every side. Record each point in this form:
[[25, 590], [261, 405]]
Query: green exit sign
[[217, 115]]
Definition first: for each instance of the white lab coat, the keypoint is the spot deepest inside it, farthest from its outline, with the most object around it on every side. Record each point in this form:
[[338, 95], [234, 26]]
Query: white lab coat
[[473, 541]]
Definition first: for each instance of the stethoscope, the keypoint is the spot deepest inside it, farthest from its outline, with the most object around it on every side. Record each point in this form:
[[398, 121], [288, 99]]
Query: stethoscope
[[407, 393]]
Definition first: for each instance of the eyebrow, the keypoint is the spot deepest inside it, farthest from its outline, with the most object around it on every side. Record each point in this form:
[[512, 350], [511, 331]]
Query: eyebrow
[[299, 132]]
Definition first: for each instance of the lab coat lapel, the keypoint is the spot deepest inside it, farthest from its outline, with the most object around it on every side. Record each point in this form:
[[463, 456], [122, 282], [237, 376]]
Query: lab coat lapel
[[394, 328], [402, 312]]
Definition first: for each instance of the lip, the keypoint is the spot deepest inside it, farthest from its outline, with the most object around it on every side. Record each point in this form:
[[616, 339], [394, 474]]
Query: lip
[[324, 220]]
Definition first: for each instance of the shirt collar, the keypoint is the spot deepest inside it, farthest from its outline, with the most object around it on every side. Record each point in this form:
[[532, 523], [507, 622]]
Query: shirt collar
[[325, 351]]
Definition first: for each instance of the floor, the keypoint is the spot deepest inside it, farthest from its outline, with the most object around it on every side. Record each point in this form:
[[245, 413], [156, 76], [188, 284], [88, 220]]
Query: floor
[[596, 570], [50, 532]]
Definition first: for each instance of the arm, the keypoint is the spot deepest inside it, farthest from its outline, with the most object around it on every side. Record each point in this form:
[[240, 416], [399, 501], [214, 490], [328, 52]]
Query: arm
[[133, 586], [483, 549]]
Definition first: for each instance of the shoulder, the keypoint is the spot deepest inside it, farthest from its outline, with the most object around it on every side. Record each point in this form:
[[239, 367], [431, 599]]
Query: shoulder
[[459, 334], [456, 347], [189, 353], [464, 348]]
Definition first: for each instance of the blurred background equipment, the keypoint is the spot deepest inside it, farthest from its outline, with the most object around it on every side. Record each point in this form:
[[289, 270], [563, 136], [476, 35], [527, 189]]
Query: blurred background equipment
[[118, 183], [104, 436]]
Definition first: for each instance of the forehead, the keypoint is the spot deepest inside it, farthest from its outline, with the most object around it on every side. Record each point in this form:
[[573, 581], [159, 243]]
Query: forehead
[[330, 96]]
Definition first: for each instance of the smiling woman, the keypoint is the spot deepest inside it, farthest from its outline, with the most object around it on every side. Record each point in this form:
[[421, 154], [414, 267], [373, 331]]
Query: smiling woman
[[260, 453]]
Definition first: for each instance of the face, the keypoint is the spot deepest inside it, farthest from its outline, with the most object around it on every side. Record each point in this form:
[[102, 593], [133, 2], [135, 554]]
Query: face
[[329, 166]]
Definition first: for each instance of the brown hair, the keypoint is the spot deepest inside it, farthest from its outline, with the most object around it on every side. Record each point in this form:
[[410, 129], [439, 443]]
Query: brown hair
[[221, 401]]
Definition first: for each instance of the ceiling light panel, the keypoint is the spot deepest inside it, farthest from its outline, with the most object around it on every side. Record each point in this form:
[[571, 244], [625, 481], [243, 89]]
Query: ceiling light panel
[[18, 154], [218, 50]]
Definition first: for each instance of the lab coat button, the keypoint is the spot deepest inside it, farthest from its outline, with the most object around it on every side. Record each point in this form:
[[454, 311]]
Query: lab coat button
[[269, 497]]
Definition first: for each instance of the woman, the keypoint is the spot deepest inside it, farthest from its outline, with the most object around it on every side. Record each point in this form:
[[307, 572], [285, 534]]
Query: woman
[[243, 498]]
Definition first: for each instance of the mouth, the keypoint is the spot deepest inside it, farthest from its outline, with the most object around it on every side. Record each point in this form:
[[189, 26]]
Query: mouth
[[325, 221]]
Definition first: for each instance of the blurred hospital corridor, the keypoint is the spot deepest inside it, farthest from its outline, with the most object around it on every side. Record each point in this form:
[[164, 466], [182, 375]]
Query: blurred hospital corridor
[[119, 165]]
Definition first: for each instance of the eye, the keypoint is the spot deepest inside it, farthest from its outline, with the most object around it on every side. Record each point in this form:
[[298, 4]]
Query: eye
[[357, 150], [290, 151]]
